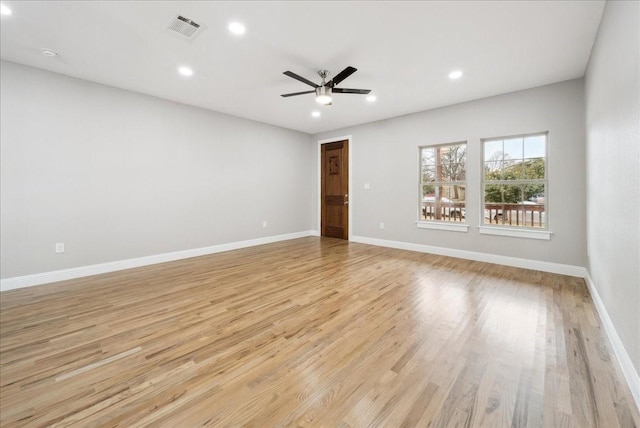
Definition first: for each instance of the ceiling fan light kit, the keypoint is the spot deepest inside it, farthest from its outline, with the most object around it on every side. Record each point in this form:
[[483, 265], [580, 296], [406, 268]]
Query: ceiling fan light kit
[[323, 95], [325, 90]]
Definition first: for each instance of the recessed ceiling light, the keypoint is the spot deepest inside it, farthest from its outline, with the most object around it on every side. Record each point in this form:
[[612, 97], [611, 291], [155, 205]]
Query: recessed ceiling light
[[5, 11], [371, 98], [185, 71], [237, 28], [315, 113], [456, 74], [48, 52]]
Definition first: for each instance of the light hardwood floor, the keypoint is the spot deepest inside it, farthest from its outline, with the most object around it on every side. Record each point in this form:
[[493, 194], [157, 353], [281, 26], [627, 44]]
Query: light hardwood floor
[[310, 332]]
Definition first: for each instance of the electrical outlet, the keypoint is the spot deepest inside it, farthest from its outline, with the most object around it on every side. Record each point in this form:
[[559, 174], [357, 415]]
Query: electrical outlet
[[264, 223], [381, 225], [60, 247], [367, 186]]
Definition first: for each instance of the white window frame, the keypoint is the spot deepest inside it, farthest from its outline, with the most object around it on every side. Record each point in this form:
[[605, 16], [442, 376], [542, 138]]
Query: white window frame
[[462, 226], [507, 229]]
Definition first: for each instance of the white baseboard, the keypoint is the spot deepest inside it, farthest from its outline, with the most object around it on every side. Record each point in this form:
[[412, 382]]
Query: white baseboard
[[480, 257], [82, 271], [628, 370]]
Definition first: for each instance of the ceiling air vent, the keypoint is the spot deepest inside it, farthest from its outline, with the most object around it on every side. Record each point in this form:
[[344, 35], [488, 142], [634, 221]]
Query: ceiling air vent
[[185, 27]]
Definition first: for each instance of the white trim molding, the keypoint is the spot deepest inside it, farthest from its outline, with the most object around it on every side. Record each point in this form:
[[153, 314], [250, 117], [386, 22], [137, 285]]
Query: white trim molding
[[453, 227], [480, 257], [628, 370], [82, 271], [516, 233]]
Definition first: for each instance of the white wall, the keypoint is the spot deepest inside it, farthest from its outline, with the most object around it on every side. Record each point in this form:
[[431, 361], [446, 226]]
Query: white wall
[[385, 154], [613, 165], [117, 175]]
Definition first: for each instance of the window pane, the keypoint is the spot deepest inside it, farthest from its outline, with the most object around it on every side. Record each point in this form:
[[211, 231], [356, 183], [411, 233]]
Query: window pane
[[442, 153], [453, 172], [458, 172], [428, 175], [512, 193], [515, 205], [445, 203], [493, 170], [501, 205], [513, 148], [513, 170], [451, 193], [454, 154], [535, 147], [493, 193], [534, 168], [461, 154], [445, 173], [534, 193], [493, 150], [428, 157], [428, 189], [533, 206], [429, 198], [493, 203], [502, 193]]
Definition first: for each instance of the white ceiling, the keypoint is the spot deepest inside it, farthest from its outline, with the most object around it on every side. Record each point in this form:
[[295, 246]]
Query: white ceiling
[[403, 51]]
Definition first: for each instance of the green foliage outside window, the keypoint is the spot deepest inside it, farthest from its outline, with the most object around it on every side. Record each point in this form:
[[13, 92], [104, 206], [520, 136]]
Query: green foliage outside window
[[510, 193]]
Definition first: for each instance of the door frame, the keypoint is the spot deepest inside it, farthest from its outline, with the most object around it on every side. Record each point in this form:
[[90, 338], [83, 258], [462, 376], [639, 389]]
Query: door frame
[[349, 140]]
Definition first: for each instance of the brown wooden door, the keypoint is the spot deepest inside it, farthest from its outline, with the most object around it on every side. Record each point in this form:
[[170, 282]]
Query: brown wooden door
[[335, 188]]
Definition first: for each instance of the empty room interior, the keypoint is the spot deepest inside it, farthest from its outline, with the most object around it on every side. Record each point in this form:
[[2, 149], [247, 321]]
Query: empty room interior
[[321, 214]]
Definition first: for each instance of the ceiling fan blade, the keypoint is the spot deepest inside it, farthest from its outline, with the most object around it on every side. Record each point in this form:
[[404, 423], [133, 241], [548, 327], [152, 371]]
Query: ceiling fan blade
[[297, 93], [351, 91], [342, 75], [300, 78]]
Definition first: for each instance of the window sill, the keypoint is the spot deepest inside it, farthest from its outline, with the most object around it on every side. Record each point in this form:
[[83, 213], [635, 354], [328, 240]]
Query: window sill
[[453, 227], [516, 233]]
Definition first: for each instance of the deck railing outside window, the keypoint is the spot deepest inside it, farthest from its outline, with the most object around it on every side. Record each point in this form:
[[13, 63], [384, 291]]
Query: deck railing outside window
[[525, 215], [453, 211]]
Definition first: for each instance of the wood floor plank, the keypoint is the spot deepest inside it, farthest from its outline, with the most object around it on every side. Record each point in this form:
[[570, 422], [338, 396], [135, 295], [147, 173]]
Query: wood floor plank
[[310, 332]]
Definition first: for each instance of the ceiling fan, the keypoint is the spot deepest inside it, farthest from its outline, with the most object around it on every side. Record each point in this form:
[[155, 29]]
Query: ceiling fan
[[324, 90]]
